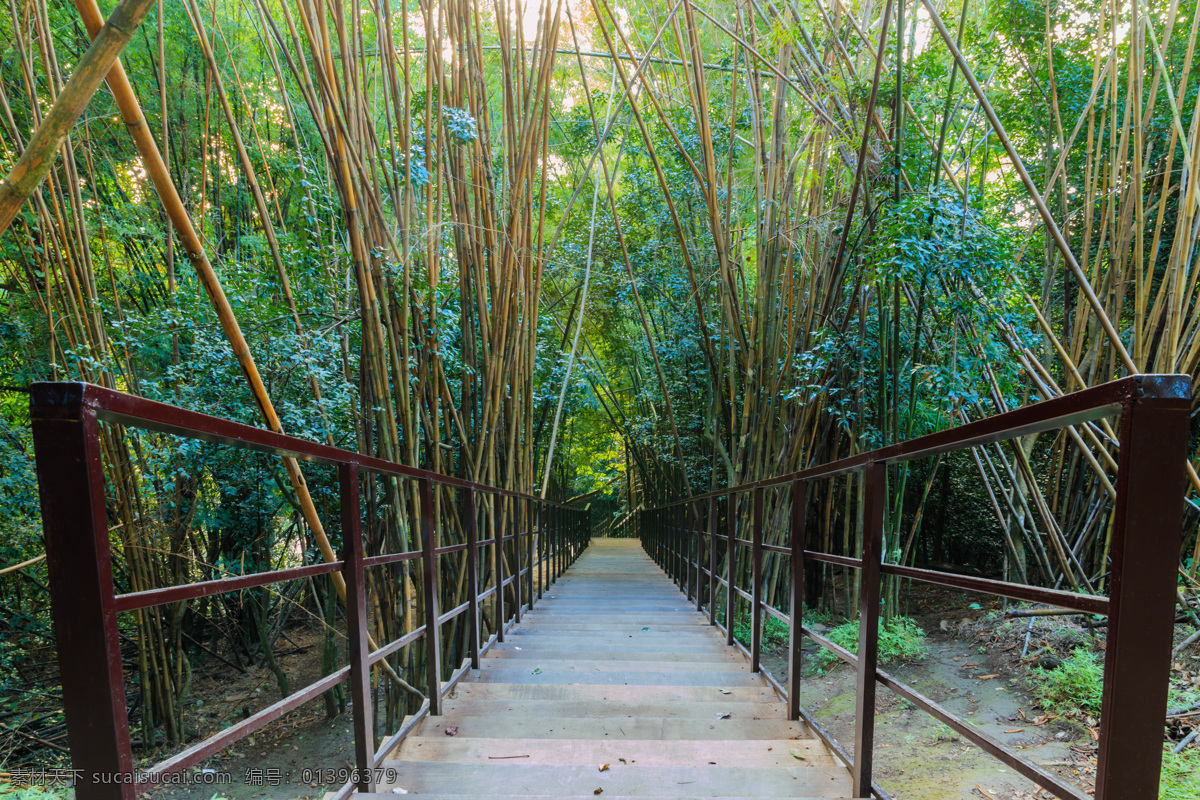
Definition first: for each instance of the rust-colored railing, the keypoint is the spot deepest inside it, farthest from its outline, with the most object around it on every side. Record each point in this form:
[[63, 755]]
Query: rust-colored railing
[[683, 538], [66, 421]]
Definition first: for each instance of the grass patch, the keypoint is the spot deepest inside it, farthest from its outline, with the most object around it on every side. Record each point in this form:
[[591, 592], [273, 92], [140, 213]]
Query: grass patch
[[1180, 774], [900, 639], [775, 631], [1074, 687]]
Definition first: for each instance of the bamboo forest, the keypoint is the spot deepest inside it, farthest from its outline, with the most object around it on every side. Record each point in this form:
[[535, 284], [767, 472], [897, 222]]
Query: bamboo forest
[[447, 314]]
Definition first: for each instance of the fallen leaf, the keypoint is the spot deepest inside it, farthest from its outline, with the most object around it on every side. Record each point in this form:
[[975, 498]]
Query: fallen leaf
[[796, 754], [1015, 730], [725, 691], [723, 715], [537, 670], [989, 677], [645, 629], [983, 792], [604, 767], [452, 730], [598, 791], [398, 790]]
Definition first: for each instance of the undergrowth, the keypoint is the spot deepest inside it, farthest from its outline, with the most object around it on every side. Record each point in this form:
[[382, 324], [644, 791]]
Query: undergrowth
[[900, 639], [775, 632], [1180, 774], [1075, 686]]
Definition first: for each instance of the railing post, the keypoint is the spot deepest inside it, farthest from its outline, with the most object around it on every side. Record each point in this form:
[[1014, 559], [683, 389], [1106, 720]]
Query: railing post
[[756, 583], [699, 555], [498, 565], [681, 546], [693, 550], [796, 635], [1147, 526], [70, 473], [356, 628], [541, 546], [472, 576], [731, 568], [518, 524], [875, 475], [533, 521], [676, 520], [712, 560], [433, 649]]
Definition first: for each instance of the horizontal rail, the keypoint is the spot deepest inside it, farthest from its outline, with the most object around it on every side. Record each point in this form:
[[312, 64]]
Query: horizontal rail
[[132, 601], [1086, 405], [219, 741], [66, 400], [72, 485], [1146, 514]]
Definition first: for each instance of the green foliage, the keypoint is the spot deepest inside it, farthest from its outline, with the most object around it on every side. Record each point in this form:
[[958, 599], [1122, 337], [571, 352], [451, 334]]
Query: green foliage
[[38, 793], [900, 639], [1180, 777], [1074, 687], [774, 633]]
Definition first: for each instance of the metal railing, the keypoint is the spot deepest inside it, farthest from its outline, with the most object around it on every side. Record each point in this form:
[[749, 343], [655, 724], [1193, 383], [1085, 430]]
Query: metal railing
[[1146, 539], [66, 421]]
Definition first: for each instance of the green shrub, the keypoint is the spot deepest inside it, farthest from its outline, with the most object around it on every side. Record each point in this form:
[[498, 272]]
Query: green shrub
[[1074, 687], [900, 639], [775, 632], [1180, 774]]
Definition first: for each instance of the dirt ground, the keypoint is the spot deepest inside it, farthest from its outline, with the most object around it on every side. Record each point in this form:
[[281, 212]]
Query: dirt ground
[[918, 758], [289, 758]]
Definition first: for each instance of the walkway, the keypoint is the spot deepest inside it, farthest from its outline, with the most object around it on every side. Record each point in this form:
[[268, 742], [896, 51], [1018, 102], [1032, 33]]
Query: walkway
[[614, 685]]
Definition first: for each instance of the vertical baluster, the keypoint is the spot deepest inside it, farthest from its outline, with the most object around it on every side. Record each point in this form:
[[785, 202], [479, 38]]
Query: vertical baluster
[[356, 629], [875, 475], [699, 555], [796, 635], [498, 567], [693, 560], [433, 649], [1147, 525], [79, 564], [472, 575], [518, 526], [731, 568], [712, 560], [532, 513], [543, 515], [756, 604]]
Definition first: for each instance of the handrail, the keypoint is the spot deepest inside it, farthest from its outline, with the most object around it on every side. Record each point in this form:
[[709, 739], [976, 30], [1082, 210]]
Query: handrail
[[65, 423], [1154, 413]]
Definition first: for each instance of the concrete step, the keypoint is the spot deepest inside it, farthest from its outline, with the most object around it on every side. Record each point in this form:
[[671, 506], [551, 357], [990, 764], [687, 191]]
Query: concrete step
[[514, 726], [646, 753], [629, 694], [620, 779], [716, 704], [619, 677]]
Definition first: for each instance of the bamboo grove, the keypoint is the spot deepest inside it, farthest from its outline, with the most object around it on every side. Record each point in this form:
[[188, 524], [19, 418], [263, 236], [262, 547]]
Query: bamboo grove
[[610, 253]]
